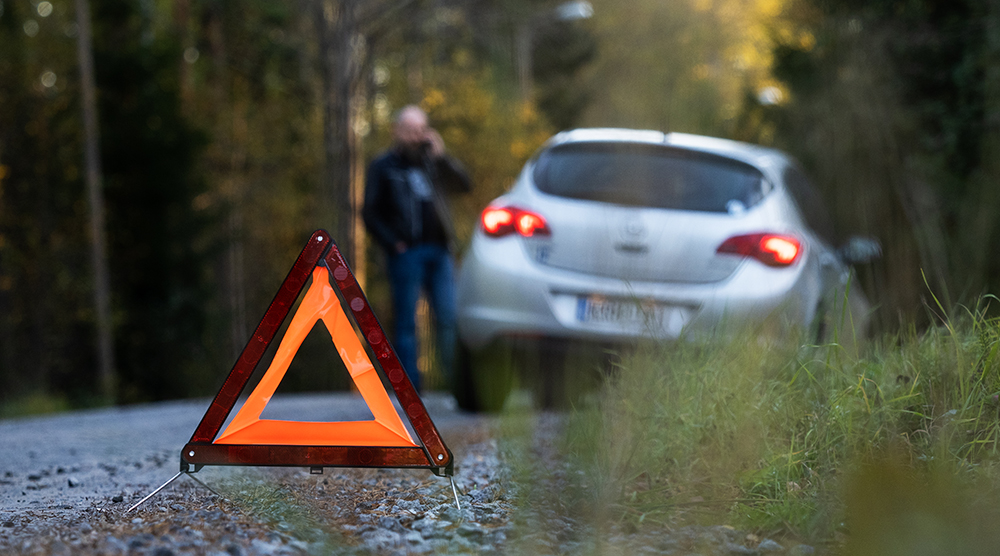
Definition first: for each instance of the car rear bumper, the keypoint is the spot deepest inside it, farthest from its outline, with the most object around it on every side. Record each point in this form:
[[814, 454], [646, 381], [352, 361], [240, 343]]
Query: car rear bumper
[[502, 292]]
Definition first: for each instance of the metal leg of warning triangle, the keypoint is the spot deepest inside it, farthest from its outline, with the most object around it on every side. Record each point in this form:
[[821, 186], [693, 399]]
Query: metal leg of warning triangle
[[200, 482], [172, 479], [455, 492], [151, 494]]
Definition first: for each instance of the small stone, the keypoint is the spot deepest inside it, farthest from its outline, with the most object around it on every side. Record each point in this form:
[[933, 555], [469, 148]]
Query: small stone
[[471, 529], [117, 498], [439, 530], [177, 507], [413, 537], [381, 540], [85, 528], [137, 521], [73, 482], [389, 523], [407, 506], [141, 540], [263, 548], [736, 549], [421, 524], [767, 546], [115, 546]]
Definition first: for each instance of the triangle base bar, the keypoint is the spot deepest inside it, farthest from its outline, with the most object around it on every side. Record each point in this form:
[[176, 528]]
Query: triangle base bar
[[199, 454]]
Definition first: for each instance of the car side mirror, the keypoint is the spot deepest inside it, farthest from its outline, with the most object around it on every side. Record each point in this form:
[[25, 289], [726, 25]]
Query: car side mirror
[[860, 250]]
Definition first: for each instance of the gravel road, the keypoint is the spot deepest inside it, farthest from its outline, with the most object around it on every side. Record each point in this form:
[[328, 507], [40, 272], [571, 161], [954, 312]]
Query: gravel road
[[66, 481]]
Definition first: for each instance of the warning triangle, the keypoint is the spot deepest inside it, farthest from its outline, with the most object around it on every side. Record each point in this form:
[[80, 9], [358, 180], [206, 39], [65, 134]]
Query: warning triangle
[[383, 441]]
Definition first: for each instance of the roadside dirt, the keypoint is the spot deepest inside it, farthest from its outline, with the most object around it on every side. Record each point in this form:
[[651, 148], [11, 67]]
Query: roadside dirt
[[66, 481]]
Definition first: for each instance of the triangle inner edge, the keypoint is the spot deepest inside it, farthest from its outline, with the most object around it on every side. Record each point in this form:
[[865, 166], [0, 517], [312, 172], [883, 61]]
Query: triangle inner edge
[[386, 429]]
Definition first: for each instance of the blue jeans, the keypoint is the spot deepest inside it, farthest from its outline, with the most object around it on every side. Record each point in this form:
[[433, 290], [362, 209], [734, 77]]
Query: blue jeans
[[428, 268]]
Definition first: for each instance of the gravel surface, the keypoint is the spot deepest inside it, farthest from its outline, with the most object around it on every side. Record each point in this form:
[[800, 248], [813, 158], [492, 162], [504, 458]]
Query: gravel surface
[[66, 481]]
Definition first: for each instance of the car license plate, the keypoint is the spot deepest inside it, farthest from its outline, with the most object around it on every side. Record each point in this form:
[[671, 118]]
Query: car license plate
[[628, 312]]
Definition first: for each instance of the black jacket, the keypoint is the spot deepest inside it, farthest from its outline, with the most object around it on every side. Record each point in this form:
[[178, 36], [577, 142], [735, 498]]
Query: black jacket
[[391, 213]]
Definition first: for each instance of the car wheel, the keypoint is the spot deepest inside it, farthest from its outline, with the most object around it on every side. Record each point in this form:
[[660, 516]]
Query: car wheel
[[483, 378]]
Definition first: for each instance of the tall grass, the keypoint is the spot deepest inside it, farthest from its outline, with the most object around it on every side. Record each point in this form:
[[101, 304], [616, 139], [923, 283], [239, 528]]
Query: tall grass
[[785, 437]]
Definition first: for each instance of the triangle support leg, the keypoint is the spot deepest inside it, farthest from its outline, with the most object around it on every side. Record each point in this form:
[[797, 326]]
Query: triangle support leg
[[151, 494]]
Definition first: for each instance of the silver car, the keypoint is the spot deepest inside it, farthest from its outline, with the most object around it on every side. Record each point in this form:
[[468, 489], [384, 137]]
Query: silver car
[[610, 235]]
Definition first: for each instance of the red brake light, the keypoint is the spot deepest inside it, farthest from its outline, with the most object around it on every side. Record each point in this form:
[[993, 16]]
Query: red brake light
[[497, 221], [771, 249], [501, 221], [529, 224]]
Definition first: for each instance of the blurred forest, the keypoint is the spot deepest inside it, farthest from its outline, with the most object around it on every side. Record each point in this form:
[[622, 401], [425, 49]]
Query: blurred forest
[[229, 131]]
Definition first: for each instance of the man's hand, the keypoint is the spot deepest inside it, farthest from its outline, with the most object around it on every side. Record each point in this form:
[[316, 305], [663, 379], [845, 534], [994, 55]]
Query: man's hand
[[432, 137]]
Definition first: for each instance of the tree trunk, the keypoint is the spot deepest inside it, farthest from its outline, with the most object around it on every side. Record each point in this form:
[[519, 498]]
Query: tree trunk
[[92, 165], [342, 50]]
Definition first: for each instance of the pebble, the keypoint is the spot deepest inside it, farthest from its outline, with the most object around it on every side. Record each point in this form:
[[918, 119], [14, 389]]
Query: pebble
[[736, 549], [767, 546]]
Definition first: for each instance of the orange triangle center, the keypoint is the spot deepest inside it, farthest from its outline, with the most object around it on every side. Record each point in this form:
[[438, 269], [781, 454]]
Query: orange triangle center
[[386, 429]]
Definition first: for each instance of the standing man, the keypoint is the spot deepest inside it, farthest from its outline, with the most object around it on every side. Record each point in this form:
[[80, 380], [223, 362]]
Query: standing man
[[405, 211]]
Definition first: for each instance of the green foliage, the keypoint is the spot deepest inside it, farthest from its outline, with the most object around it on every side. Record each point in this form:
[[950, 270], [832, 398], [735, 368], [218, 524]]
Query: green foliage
[[213, 155], [888, 109], [777, 436], [560, 50], [45, 299], [157, 240], [33, 404]]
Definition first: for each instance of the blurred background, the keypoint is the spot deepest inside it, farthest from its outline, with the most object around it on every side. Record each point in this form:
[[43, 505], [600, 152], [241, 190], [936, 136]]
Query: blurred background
[[227, 131]]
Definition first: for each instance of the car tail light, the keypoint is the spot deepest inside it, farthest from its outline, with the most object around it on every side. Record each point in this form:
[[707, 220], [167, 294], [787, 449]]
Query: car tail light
[[501, 221], [776, 250]]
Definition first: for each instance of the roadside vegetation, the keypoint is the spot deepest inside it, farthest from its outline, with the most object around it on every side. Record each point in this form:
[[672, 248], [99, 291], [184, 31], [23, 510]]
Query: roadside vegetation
[[887, 449]]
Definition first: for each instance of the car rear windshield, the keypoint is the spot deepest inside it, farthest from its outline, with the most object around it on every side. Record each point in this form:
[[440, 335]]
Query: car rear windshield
[[635, 174]]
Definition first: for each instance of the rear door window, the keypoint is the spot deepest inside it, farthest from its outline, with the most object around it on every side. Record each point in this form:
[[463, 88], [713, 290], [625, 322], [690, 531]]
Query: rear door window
[[636, 174]]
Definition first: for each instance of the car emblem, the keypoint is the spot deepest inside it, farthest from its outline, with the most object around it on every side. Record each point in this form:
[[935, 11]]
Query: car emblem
[[634, 228]]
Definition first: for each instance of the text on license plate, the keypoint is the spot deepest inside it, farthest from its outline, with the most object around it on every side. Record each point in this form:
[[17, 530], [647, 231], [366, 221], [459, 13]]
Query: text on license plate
[[622, 311]]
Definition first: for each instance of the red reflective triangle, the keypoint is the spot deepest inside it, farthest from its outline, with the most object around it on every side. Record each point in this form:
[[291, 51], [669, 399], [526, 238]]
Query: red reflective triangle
[[381, 442]]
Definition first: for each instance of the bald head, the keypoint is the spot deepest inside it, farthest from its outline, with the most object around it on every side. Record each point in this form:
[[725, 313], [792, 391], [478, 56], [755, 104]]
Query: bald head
[[409, 130]]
